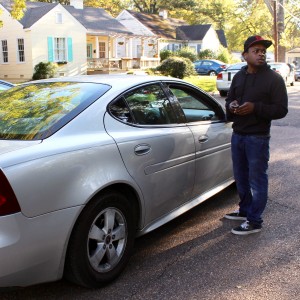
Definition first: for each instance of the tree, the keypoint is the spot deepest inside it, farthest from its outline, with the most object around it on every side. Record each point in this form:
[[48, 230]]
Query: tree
[[18, 9], [153, 6], [111, 6]]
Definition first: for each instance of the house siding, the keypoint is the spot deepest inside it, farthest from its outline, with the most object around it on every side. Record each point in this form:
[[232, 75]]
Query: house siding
[[46, 29], [36, 45], [211, 40], [12, 30]]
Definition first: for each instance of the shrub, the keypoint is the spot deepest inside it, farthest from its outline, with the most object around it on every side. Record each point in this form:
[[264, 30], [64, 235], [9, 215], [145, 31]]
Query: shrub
[[178, 67], [187, 52], [207, 54], [44, 70], [164, 54]]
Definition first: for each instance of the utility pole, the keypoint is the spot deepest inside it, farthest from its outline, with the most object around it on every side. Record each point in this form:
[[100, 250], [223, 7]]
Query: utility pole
[[276, 8], [275, 31]]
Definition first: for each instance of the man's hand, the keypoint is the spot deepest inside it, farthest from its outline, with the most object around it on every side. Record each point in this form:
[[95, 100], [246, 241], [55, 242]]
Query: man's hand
[[245, 109], [233, 106]]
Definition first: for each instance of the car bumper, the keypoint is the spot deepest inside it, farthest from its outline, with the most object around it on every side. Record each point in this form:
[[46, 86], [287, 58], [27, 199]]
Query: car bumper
[[32, 249], [223, 86]]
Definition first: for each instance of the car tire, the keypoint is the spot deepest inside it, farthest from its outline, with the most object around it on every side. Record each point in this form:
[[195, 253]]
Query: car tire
[[223, 93], [101, 242], [212, 73]]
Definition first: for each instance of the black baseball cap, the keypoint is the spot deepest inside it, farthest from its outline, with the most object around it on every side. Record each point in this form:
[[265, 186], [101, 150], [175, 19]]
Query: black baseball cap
[[256, 39]]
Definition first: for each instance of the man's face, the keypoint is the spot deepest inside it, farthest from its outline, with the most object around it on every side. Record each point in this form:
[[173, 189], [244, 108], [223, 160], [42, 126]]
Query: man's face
[[256, 55]]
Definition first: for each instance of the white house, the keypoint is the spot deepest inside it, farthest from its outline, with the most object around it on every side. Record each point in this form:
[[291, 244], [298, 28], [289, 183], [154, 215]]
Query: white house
[[169, 33], [80, 39], [46, 33]]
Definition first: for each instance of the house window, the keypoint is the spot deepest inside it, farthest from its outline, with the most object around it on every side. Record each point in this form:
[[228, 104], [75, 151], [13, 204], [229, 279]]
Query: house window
[[102, 50], [60, 51], [89, 50], [21, 52], [4, 51], [59, 18]]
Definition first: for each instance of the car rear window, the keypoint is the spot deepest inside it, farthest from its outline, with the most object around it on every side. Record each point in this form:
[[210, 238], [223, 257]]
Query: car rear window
[[35, 111]]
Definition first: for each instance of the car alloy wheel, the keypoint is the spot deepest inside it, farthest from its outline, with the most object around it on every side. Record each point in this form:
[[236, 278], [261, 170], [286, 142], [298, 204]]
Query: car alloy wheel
[[102, 241], [212, 73]]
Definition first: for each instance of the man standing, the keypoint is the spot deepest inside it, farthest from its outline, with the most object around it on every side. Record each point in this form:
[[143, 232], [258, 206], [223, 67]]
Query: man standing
[[257, 96]]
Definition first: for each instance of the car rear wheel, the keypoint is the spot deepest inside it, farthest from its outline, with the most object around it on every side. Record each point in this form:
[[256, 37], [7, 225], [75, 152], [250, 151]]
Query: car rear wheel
[[101, 242], [223, 93], [212, 73]]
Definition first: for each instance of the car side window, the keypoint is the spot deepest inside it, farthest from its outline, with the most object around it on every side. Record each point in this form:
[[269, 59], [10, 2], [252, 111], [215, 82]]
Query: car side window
[[194, 107], [150, 106], [120, 110]]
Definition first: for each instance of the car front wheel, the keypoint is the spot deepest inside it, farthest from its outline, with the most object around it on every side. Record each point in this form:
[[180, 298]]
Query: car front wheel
[[212, 73], [101, 242]]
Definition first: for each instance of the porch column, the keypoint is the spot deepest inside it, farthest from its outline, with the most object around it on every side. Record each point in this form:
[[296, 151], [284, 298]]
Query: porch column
[[126, 48], [97, 47], [130, 48], [115, 47], [142, 47]]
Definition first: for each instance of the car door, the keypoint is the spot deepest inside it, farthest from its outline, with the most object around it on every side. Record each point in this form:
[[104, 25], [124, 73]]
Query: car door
[[212, 135], [158, 152]]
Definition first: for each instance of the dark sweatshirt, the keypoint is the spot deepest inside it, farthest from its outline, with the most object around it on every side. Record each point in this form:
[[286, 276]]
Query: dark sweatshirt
[[267, 90]]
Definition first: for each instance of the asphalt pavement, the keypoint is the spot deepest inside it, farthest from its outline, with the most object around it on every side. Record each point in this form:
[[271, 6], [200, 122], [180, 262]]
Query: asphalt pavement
[[196, 256]]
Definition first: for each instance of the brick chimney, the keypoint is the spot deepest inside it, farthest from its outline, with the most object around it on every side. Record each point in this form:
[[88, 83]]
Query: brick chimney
[[78, 4]]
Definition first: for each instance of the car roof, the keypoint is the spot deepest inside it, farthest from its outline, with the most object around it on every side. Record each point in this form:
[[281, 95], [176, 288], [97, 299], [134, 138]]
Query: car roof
[[120, 80], [237, 66], [6, 82]]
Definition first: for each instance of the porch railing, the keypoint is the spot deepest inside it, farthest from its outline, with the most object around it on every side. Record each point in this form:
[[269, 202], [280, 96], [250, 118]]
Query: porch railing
[[118, 64]]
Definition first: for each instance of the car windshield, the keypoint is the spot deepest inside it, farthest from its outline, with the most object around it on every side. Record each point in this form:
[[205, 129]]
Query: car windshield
[[37, 110]]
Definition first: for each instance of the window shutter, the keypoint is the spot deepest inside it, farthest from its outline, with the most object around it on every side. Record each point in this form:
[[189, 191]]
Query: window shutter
[[50, 49], [70, 50], [198, 48]]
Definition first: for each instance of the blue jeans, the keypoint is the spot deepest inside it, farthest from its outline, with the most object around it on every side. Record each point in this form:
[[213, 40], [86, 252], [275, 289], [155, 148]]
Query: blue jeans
[[250, 157]]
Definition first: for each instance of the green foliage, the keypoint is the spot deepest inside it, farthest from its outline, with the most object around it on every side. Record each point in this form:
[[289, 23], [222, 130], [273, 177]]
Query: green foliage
[[225, 56], [164, 54], [206, 83], [178, 67], [187, 53], [207, 54], [18, 8], [44, 70]]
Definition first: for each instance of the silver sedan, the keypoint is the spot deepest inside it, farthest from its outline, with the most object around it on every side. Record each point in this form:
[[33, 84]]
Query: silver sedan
[[89, 163]]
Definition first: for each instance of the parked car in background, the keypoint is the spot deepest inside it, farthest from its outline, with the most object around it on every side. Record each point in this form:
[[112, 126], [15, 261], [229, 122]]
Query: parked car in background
[[210, 67], [4, 85], [88, 163], [285, 70], [224, 78], [297, 74]]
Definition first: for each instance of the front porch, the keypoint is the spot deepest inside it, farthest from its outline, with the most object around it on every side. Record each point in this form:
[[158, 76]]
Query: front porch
[[112, 65], [108, 54]]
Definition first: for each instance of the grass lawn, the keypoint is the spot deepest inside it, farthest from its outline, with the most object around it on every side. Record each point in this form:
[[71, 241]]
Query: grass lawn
[[206, 83]]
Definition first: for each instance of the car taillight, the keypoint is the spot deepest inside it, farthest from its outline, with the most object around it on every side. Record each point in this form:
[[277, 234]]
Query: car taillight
[[8, 201], [223, 66], [220, 76]]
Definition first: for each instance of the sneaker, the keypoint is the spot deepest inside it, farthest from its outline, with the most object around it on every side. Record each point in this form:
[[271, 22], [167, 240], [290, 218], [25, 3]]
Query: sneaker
[[235, 215], [246, 228]]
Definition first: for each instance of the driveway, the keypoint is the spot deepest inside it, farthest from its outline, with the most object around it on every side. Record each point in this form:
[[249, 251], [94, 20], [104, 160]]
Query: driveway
[[196, 256]]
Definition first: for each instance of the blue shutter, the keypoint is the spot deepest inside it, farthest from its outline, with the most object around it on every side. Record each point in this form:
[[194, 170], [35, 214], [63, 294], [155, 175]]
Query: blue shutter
[[50, 49], [70, 49], [198, 48]]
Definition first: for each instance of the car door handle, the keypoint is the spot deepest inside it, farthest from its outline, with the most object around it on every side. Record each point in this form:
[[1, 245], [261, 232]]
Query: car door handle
[[202, 138], [142, 149]]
